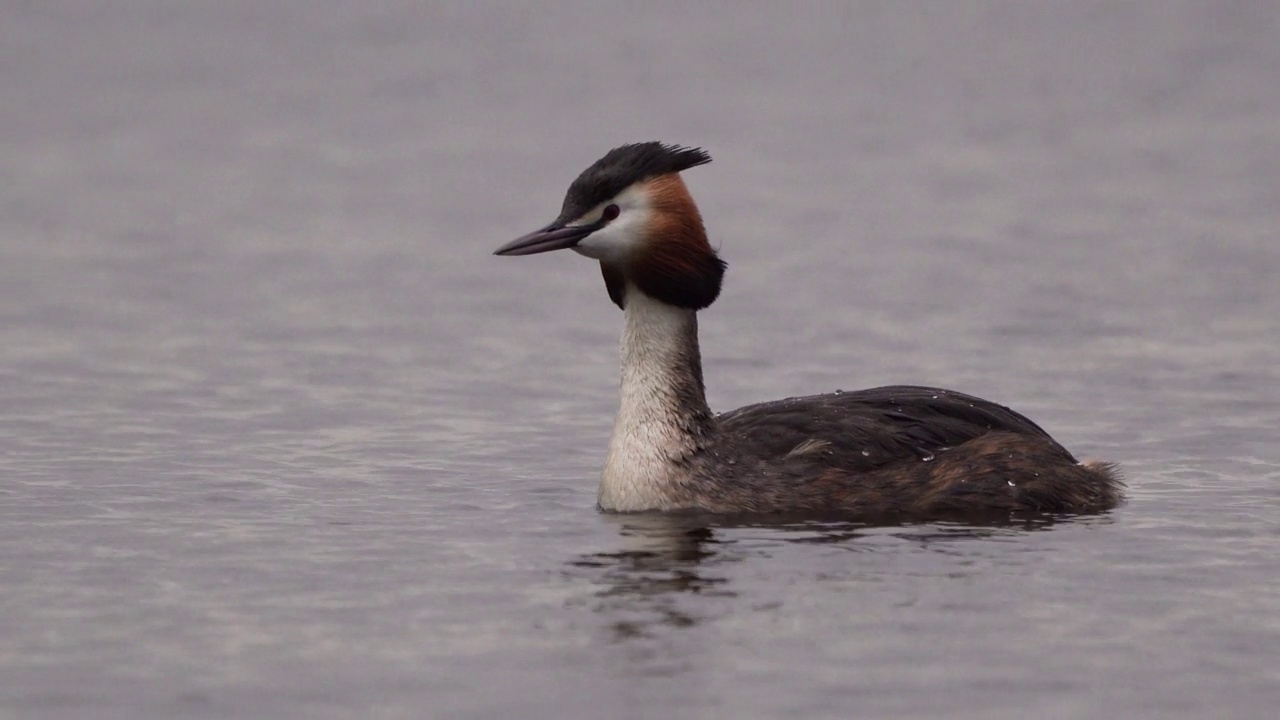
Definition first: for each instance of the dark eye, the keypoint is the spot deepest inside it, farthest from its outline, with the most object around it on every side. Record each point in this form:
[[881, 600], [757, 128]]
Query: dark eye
[[610, 212]]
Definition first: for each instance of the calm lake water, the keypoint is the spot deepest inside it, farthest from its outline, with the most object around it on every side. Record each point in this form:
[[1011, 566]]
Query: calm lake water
[[280, 438]]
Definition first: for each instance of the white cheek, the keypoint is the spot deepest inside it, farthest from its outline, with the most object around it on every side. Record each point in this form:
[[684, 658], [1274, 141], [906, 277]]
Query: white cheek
[[616, 240]]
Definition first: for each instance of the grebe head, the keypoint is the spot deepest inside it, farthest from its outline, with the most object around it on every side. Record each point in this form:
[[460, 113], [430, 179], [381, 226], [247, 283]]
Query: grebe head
[[631, 211]]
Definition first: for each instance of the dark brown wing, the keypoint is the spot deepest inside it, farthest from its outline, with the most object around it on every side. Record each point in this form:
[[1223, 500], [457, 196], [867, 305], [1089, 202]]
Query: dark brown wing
[[867, 429]]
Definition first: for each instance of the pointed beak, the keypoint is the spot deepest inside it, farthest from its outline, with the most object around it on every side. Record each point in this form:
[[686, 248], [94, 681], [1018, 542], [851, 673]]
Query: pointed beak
[[555, 236]]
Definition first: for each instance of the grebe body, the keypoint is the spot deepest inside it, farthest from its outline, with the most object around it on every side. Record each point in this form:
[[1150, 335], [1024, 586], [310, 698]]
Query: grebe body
[[892, 451]]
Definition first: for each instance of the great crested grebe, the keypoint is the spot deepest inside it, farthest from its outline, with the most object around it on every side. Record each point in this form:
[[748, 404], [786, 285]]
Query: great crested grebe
[[899, 450]]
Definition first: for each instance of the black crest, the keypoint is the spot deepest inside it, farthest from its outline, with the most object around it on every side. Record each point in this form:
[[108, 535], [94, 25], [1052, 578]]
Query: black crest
[[624, 166]]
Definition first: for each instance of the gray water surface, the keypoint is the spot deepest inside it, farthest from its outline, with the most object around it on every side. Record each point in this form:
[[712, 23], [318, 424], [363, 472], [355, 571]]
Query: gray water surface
[[279, 437]]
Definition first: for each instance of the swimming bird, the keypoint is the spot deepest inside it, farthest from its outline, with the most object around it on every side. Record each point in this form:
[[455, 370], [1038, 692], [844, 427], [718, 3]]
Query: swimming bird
[[903, 451]]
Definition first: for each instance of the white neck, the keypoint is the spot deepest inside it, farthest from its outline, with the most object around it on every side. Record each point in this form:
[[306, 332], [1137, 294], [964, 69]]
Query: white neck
[[663, 416]]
